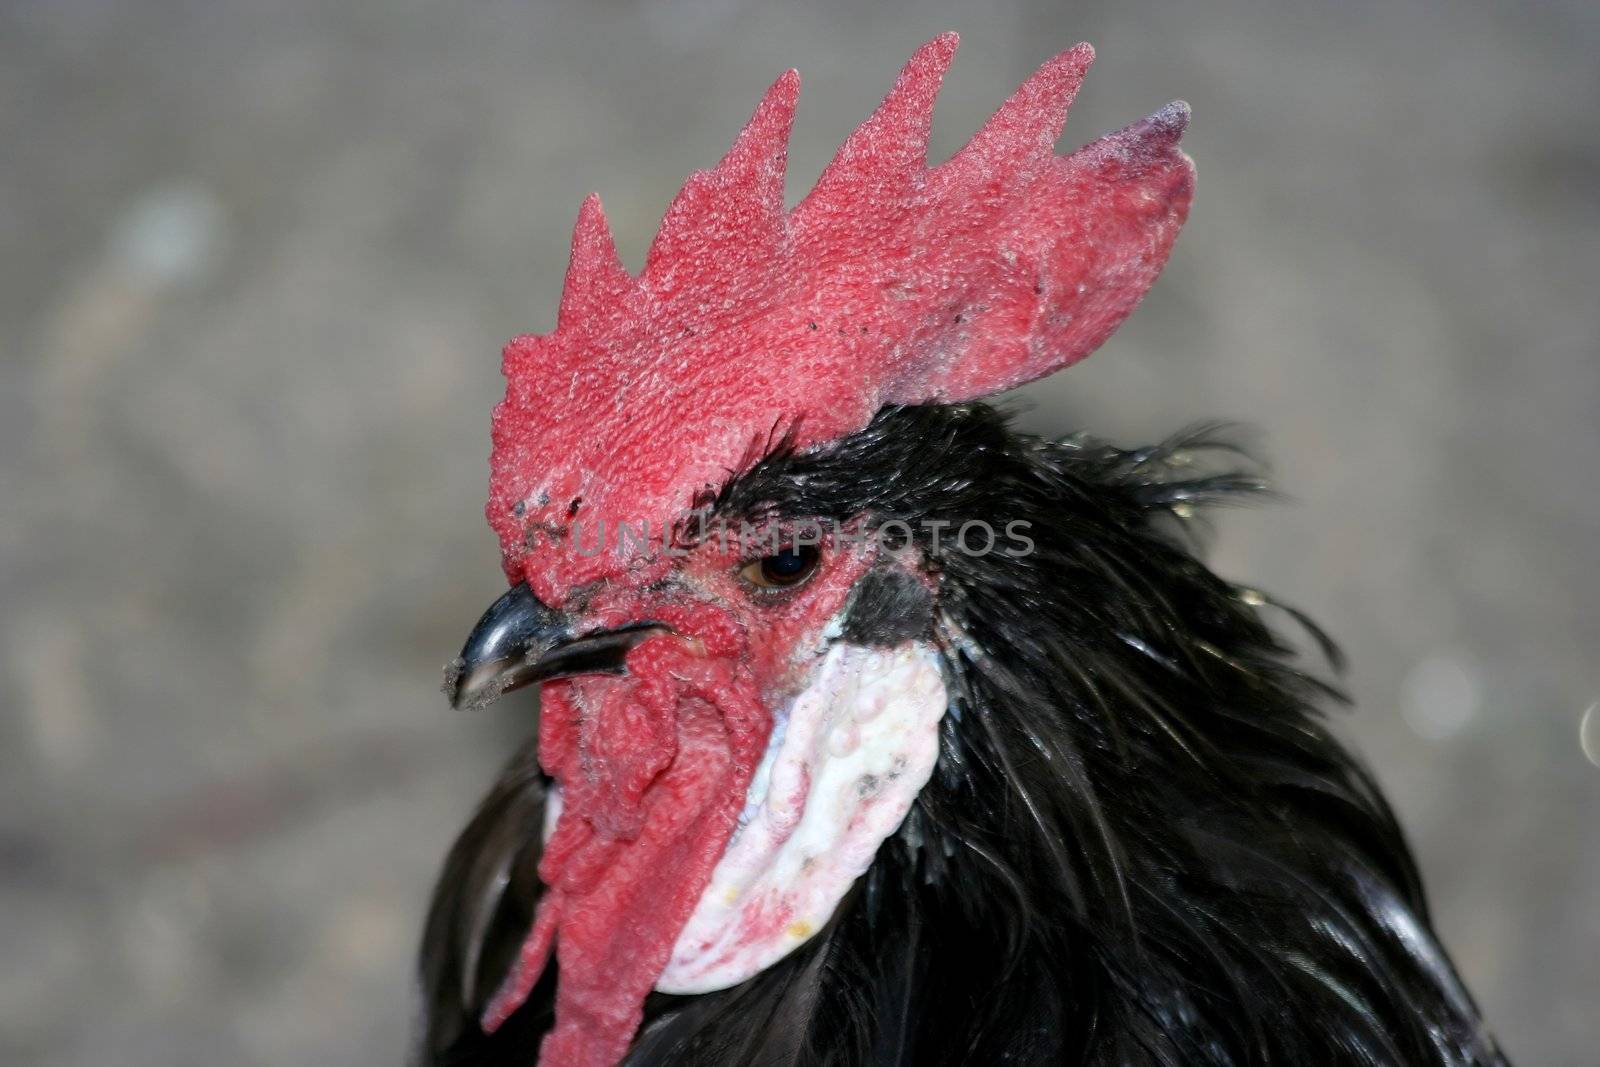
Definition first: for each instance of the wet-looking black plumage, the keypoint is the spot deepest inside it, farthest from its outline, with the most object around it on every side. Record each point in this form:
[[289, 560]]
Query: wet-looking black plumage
[[1141, 845]]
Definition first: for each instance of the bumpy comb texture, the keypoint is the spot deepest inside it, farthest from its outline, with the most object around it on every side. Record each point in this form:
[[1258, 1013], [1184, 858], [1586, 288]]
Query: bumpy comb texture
[[891, 282]]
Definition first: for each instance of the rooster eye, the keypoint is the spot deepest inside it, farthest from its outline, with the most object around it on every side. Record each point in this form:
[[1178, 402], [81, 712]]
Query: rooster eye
[[783, 569]]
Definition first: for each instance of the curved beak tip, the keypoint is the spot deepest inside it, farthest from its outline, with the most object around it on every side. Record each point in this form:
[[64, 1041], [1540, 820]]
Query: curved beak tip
[[461, 695], [451, 685]]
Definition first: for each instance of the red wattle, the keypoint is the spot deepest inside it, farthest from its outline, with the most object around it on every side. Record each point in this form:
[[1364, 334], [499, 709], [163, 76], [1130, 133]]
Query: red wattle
[[653, 768]]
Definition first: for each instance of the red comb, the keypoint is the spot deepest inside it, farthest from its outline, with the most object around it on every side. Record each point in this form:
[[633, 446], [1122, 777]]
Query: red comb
[[890, 283]]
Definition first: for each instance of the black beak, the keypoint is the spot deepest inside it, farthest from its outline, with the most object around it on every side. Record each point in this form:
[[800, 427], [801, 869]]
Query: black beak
[[520, 641]]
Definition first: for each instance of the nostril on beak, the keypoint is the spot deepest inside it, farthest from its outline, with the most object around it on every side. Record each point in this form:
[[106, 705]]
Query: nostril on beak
[[520, 641]]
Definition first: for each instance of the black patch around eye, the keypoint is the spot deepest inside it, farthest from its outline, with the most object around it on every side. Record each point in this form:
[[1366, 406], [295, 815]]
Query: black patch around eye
[[890, 606]]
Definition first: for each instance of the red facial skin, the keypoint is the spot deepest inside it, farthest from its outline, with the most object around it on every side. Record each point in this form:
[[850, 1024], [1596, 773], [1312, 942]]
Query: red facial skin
[[654, 766]]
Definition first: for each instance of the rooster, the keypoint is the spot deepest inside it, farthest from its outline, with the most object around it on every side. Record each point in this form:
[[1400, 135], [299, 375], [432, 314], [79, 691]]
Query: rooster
[[873, 730]]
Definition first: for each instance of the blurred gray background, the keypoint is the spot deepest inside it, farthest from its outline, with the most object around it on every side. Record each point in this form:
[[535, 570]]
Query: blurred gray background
[[258, 263]]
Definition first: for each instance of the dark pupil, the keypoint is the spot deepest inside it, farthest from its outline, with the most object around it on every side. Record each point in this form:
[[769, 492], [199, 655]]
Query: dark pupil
[[788, 565]]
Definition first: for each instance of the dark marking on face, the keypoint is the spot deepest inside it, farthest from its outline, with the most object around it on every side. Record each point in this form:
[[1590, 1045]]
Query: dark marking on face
[[890, 606], [552, 532], [579, 599]]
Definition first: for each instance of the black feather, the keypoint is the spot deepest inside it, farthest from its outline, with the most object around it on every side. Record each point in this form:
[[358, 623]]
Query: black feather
[[889, 607], [1141, 844], [482, 909]]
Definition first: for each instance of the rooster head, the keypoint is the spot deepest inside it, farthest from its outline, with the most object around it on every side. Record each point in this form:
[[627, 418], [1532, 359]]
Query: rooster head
[[740, 700]]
